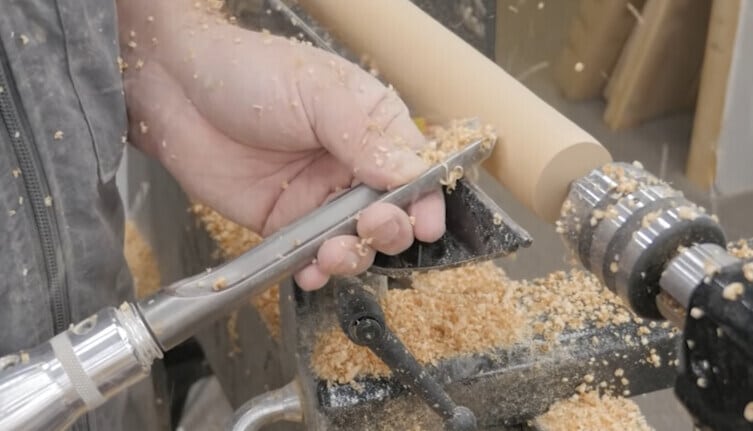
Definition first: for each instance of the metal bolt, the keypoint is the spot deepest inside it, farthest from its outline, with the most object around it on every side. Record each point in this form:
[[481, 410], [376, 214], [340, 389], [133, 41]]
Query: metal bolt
[[366, 330]]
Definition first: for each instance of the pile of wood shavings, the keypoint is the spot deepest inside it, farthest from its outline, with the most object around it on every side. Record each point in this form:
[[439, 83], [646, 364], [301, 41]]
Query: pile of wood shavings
[[445, 140], [590, 411], [233, 240], [141, 262], [445, 313], [469, 310], [571, 300]]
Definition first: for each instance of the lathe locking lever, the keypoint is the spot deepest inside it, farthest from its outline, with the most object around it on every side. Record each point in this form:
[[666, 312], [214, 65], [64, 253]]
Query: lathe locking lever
[[362, 319]]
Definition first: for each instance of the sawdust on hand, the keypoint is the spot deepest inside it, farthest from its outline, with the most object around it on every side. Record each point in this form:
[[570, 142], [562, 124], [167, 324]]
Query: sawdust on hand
[[590, 411], [141, 262]]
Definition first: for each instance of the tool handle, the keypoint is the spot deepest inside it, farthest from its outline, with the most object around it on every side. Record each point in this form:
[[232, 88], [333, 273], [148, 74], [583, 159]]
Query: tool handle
[[362, 319], [50, 386]]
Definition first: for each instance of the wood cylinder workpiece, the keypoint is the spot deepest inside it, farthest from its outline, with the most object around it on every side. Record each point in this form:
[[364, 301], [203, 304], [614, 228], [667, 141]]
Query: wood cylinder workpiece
[[441, 77]]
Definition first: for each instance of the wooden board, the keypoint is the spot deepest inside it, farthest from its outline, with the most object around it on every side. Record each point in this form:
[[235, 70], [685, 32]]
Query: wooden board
[[660, 68], [701, 166], [595, 40]]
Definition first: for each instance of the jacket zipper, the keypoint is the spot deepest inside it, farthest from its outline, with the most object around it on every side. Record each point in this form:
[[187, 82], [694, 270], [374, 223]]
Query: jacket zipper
[[37, 191]]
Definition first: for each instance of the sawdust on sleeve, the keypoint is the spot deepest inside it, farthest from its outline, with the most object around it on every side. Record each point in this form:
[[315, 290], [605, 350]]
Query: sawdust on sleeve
[[590, 411], [141, 262], [232, 240]]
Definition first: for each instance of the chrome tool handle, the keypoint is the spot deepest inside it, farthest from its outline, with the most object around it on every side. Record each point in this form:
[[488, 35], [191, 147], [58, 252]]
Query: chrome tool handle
[[49, 387]]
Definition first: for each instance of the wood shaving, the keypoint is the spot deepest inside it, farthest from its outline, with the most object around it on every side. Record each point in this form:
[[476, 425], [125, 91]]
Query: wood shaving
[[748, 271], [740, 249], [625, 184], [450, 312], [233, 335], [590, 411], [614, 267], [363, 246], [451, 181], [651, 217], [446, 140], [686, 213], [748, 412], [141, 261], [654, 358], [219, 284], [733, 291]]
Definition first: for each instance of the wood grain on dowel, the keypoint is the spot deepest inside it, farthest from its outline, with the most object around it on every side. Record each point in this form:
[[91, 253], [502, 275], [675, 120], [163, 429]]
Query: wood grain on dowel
[[441, 77]]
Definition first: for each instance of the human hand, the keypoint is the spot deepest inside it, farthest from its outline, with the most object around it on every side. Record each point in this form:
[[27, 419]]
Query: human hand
[[264, 130]]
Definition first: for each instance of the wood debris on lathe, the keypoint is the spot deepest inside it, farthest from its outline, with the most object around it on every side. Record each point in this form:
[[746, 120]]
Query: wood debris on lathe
[[472, 309], [590, 411]]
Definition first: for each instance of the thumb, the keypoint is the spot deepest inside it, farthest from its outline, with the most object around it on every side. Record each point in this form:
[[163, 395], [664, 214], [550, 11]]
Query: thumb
[[363, 124]]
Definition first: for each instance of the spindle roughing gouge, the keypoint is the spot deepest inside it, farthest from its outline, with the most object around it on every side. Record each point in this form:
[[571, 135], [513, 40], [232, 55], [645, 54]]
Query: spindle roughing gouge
[[53, 384]]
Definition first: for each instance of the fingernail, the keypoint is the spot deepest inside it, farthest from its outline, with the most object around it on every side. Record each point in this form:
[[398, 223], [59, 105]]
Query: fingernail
[[386, 231]]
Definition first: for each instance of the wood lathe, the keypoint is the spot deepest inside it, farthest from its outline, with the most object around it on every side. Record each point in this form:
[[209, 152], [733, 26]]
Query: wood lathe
[[662, 254]]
